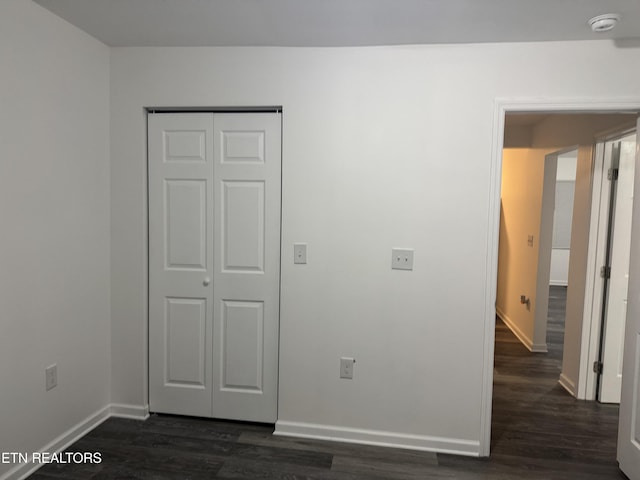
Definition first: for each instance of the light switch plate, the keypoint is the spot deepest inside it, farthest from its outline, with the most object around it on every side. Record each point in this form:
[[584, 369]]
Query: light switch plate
[[51, 376], [402, 258], [300, 253], [346, 367]]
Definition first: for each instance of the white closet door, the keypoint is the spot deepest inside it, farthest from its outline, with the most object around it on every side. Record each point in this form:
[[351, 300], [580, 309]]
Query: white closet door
[[180, 262], [247, 162], [214, 264]]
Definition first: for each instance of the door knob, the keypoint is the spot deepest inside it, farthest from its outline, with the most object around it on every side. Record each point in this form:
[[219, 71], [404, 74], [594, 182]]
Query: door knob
[[206, 281]]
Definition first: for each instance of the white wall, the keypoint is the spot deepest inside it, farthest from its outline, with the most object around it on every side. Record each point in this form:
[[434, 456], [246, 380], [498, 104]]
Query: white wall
[[54, 206], [566, 175], [559, 267], [567, 165], [372, 159]]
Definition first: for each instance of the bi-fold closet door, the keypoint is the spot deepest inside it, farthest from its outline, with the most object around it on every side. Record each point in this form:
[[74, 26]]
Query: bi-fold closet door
[[214, 264]]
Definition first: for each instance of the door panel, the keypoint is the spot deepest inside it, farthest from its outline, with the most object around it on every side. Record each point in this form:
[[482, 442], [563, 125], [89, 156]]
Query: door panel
[[185, 323], [242, 337], [629, 420], [243, 146], [214, 264], [247, 259], [243, 227], [185, 146], [185, 224], [180, 260]]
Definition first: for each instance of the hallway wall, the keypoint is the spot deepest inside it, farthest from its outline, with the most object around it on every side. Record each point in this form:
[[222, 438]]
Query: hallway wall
[[521, 210]]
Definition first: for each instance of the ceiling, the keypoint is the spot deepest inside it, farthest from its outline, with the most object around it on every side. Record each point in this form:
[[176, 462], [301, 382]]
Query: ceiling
[[307, 23]]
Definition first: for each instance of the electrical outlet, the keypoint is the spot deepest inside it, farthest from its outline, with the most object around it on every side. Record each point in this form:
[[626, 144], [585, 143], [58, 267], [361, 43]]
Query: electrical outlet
[[402, 258], [346, 367], [530, 240], [51, 376]]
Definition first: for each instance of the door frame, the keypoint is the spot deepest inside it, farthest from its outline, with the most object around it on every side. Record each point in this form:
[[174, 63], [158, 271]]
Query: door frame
[[545, 249], [502, 106], [590, 344]]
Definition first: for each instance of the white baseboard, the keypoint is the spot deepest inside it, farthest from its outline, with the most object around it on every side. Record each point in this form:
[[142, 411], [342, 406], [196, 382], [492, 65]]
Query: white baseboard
[[568, 385], [379, 438], [135, 412], [292, 429], [520, 335], [72, 435], [76, 432], [539, 348]]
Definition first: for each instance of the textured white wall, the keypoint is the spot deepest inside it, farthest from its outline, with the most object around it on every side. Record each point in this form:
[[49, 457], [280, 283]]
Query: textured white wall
[[54, 206], [382, 147]]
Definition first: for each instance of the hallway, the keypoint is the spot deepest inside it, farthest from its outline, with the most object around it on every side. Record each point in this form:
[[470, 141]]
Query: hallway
[[536, 423]]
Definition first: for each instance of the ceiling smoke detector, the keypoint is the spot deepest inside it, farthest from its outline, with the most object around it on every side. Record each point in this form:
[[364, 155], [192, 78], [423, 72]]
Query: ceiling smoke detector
[[604, 23]]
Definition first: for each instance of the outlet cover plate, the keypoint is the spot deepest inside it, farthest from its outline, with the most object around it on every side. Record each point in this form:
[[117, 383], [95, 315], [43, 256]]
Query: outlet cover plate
[[402, 258]]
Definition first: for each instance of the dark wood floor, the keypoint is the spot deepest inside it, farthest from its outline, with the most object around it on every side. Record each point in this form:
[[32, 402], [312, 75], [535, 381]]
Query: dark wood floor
[[539, 432], [536, 422]]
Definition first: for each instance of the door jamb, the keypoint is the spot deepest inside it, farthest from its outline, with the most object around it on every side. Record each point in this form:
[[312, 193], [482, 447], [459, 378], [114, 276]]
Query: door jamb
[[501, 107], [545, 246], [594, 292]]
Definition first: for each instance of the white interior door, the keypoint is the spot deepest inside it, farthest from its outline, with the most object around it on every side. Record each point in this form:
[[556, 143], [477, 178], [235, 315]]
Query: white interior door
[[214, 260], [629, 421], [180, 262], [247, 266], [616, 301]]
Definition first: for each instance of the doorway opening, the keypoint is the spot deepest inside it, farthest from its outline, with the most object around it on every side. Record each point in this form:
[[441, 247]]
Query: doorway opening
[[544, 250]]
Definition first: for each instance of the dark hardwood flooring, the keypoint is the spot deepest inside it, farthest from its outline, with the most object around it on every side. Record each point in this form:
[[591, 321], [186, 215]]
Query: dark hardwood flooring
[[536, 422], [539, 432]]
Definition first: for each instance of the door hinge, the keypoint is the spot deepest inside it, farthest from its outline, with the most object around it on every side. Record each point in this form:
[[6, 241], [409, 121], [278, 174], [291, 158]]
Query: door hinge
[[597, 367], [612, 174], [605, 272]]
